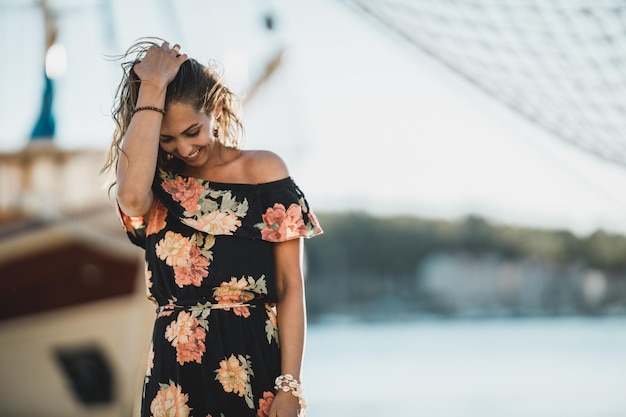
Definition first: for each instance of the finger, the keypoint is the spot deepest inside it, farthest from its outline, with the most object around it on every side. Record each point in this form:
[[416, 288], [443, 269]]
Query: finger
[[165, 45], [176, 48]]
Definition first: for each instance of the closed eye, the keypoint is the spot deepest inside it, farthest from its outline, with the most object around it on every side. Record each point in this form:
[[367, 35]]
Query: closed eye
[[166, 139], [191, 132]]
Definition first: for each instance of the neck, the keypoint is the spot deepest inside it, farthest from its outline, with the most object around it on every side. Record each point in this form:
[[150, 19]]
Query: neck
[[220, 157]]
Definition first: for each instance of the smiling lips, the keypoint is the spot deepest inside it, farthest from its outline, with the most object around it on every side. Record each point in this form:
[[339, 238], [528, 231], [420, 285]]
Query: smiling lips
[[193, 155]]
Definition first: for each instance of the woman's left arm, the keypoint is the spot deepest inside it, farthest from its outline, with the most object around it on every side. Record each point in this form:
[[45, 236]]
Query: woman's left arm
[[291, 318]]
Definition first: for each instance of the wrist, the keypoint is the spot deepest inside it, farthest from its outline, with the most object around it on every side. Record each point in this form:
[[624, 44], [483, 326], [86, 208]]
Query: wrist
[[289, 385], [153, 84], [151, 108], [151, 94]]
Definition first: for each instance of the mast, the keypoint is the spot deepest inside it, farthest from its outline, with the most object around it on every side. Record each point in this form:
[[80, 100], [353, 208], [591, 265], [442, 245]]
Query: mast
[[45, 126]]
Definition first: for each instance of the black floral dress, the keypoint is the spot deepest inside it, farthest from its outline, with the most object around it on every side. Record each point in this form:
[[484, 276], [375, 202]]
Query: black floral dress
[[210, 271]]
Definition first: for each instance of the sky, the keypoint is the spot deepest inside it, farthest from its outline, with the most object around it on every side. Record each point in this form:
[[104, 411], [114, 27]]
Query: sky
[[364, 121]]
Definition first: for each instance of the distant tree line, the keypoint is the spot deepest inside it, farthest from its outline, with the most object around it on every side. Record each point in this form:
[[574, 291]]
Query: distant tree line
[[365, 264]]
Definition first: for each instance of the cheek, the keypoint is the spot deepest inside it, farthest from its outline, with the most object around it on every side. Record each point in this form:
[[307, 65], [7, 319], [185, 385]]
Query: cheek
[[166, 147], [165, 152]]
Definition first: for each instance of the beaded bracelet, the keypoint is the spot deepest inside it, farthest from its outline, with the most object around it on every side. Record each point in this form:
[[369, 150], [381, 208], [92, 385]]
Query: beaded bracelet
[[148, 108], [288, 383]]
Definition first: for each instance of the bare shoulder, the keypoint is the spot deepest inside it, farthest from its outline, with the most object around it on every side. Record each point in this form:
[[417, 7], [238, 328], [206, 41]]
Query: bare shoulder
[[265, 166]]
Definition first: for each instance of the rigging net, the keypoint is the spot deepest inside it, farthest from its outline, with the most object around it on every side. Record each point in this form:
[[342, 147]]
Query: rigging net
[[559, 63]]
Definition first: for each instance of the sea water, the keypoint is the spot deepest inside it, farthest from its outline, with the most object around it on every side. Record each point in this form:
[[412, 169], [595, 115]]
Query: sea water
[[560, 367]]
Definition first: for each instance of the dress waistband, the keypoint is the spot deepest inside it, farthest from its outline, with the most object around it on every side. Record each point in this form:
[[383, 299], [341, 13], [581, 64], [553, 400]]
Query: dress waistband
[[199, 307]]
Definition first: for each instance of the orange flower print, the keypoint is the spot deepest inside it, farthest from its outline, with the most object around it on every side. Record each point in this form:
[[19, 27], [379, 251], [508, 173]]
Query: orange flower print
[[233, 376], [185, 191], [281, 224], [174, 249], [315, 223], [264, 404], [170, 402], [187, 337], [156, 221], [193, 351], [131, 223], [194, 272], [215, 223], [234, 292]]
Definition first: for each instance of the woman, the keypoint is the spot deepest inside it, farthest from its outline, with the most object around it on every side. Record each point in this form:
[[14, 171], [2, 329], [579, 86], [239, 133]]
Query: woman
[[222, 229]]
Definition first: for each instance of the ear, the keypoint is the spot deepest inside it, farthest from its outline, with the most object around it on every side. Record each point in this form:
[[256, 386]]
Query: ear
[[217, 112]]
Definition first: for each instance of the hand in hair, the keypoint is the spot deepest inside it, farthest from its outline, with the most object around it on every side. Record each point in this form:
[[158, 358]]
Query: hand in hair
[[160, 65]]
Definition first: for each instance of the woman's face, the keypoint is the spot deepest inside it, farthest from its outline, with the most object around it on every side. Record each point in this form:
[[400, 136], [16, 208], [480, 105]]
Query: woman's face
[[187, 134]]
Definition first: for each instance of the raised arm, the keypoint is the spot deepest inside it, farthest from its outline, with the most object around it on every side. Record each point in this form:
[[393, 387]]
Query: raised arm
[[140, 147]]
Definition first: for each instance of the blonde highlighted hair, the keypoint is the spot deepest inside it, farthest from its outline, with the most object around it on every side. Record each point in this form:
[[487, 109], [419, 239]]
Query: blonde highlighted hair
[[195, 84]]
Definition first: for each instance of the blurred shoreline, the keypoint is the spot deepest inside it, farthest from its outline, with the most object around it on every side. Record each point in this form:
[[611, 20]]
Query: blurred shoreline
[[371, 267]]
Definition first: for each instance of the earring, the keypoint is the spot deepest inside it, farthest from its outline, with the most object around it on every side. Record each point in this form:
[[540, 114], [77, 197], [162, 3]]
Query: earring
[[215, 133], [169, 156]]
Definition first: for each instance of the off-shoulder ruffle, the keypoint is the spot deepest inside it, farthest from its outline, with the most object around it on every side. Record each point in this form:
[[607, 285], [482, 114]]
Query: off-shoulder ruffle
[[274, 211]]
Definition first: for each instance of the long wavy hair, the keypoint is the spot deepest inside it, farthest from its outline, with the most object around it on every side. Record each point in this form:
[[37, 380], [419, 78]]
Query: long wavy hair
[[195, 84]]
